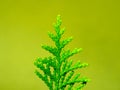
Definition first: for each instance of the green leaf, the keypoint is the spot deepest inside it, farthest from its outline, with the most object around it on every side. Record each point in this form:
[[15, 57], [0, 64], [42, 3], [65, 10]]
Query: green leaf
[[51, 49], [66, 54], [44, 78], [53, 37], [65, 42], [69, 76], [62, 31]]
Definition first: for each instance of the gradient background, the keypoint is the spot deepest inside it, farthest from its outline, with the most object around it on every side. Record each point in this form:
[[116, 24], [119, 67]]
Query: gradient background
[[94, 24]]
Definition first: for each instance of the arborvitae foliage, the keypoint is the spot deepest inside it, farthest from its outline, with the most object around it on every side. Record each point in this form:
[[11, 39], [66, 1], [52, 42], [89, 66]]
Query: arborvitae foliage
[[58, 70]]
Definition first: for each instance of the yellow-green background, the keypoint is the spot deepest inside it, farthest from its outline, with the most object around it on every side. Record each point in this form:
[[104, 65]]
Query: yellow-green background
[[94, 24]]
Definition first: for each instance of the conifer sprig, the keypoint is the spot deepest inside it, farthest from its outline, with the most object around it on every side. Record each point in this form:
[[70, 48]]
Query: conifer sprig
[[58, 70]]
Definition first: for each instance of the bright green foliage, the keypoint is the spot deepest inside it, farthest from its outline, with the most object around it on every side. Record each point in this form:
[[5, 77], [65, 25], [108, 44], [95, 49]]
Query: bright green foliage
[[58, 71]]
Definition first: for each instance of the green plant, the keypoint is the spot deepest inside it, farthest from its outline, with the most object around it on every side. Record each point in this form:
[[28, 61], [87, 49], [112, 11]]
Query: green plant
[[58, 71]]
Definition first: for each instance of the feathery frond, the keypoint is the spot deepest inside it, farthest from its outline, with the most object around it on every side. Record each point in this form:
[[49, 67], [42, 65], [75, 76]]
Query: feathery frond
[[58, 70]]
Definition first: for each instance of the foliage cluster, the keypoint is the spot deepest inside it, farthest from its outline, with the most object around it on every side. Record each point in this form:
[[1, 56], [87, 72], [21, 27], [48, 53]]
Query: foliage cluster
[[58, 70]]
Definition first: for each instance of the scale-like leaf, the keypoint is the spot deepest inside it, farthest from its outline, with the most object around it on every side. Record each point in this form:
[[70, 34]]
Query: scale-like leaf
[[58, 71]]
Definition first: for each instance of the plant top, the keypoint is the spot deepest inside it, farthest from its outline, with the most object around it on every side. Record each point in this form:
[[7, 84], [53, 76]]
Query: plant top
[[58, 70]]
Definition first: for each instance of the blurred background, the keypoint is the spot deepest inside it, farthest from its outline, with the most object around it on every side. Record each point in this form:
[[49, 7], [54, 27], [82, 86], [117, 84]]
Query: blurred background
[[94, 24]]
